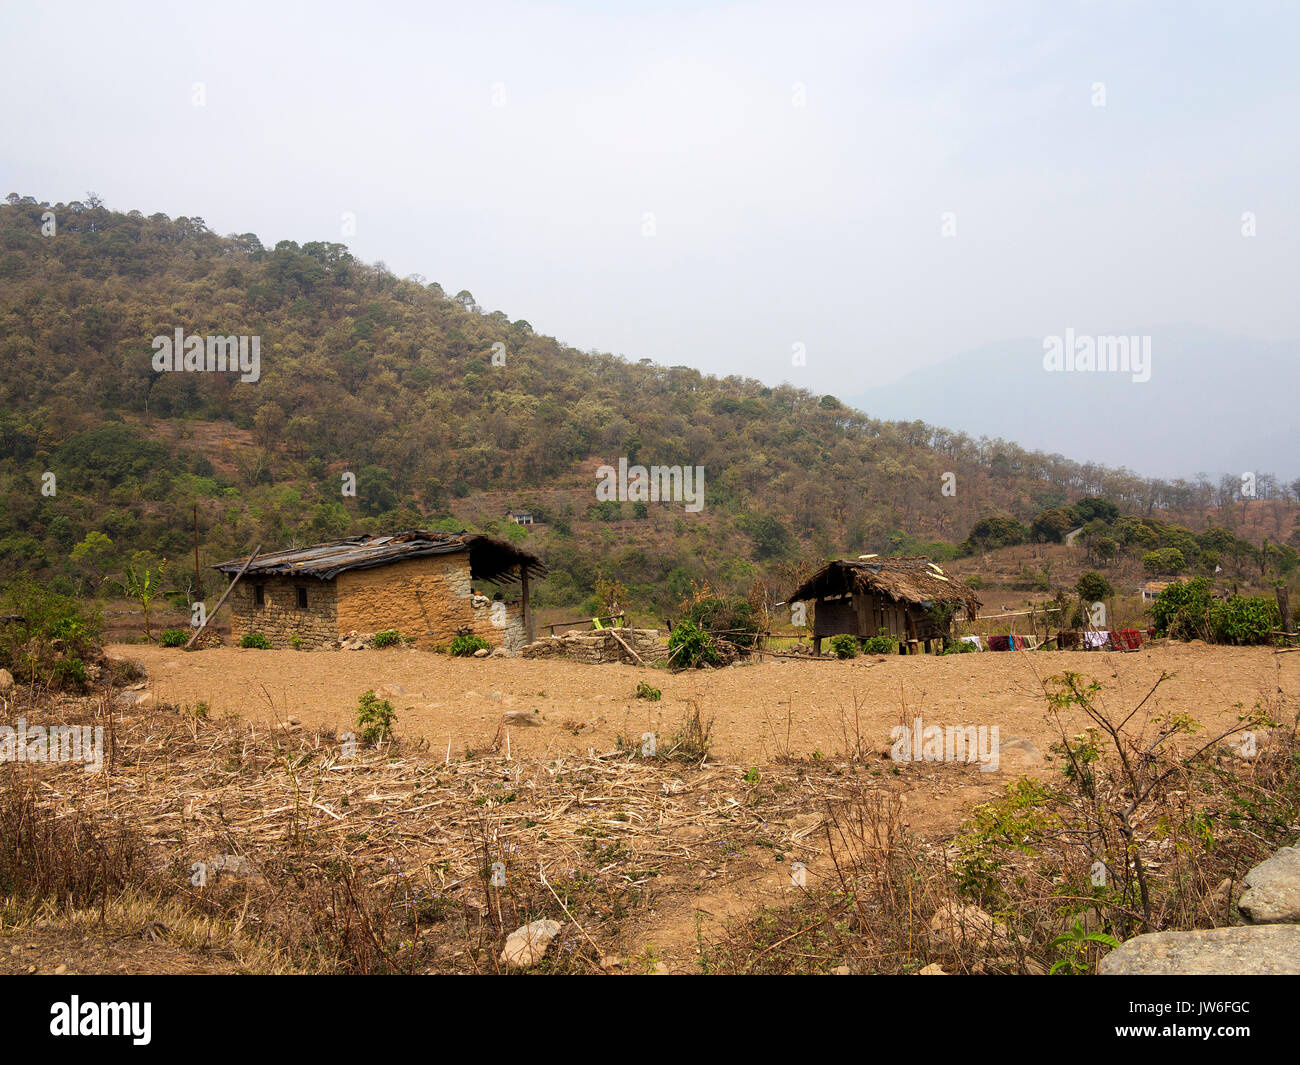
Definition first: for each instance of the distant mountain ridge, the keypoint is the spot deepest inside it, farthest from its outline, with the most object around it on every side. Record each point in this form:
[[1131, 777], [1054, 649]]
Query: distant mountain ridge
[[1214, 403]]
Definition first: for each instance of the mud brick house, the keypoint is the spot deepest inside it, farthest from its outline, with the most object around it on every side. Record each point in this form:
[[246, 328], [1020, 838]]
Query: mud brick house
[[428, 585], [909, 597]]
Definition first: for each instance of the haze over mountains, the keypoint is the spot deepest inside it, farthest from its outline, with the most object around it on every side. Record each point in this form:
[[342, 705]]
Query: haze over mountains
[[1214, 404]]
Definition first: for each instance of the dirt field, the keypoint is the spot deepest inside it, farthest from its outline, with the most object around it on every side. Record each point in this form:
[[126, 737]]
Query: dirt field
[[760, 711], [755, 707], [699, 847]]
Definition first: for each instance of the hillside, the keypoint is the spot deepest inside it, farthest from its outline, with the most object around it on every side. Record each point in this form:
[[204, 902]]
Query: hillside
[[448, 415]]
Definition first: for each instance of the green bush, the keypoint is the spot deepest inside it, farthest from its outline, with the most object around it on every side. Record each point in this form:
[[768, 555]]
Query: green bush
[[388, 638], [1245, 619], [1182, 611], [465, 646], [174, 637], [689, 648], [375, 718], [881, 644], [844, 646], [53, 629], [644, 691], [255, 640]]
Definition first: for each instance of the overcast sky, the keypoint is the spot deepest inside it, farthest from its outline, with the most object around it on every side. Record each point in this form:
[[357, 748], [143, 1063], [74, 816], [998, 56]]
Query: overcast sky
[[796, 159]]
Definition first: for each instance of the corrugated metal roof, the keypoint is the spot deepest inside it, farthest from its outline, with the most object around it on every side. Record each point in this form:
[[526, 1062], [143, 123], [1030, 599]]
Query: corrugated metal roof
[[490, 559]]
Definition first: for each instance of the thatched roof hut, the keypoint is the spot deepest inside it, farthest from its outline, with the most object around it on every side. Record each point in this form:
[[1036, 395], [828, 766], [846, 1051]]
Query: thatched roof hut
[[870, 595]]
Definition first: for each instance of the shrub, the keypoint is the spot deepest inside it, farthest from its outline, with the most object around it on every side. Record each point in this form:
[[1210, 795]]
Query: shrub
[[644, 691], [1245, 619], [880, 644], [174, 637], [735, 617], [844, 646], [689, 648], [255, 640], [388, 638], [295, 641], [465, 645], [375, 718], [51, 623], [1182, 611]]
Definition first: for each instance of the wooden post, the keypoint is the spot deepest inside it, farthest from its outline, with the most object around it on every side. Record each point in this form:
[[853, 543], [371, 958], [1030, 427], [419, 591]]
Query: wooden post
[[530, 634], [207, 620], [198, 582], [1283, 606]]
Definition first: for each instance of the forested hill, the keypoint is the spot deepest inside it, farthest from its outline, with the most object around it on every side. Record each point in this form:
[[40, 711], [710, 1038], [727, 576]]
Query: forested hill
[[394, 380]]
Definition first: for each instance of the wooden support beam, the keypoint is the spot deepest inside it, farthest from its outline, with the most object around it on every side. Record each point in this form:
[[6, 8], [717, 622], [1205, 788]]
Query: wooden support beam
[[189, 646], [530, 629], [626, 646]]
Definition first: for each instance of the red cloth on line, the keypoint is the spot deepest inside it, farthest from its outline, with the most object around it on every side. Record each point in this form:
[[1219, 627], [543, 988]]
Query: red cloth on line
[[1126, 639]]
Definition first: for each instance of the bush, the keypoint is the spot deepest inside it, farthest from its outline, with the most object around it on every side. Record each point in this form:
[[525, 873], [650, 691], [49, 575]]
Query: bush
[[255, 640], [880, 644], [388, 638], [54, 628], [735, 617], [1245, 619], [464, 646], [644, 691], [174, 637], [689, 648], [844, 646], [1182, 611], [375, 718]]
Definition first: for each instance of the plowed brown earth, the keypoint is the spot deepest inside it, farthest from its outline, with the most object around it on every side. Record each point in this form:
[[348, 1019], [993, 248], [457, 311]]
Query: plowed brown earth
[[760, 712]]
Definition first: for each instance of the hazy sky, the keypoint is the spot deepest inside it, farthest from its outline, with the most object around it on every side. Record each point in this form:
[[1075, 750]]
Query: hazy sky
[[797, 160]]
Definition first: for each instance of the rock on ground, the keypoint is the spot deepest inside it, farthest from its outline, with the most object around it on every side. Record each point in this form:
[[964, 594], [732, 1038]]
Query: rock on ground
[[526, 946], [1253, 950], [1272, 894]]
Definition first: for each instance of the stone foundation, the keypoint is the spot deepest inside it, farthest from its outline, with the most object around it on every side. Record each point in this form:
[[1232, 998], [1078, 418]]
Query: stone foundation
[[596, 646]]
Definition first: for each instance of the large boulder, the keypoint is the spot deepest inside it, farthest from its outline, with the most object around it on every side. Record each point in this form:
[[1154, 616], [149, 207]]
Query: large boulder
[[1272, 894], [1253, 950]]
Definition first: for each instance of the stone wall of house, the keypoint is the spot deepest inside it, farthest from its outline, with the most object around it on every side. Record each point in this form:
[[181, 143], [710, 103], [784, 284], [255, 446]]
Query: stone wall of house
[[280, 619], [428, 598], [596, 646]]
